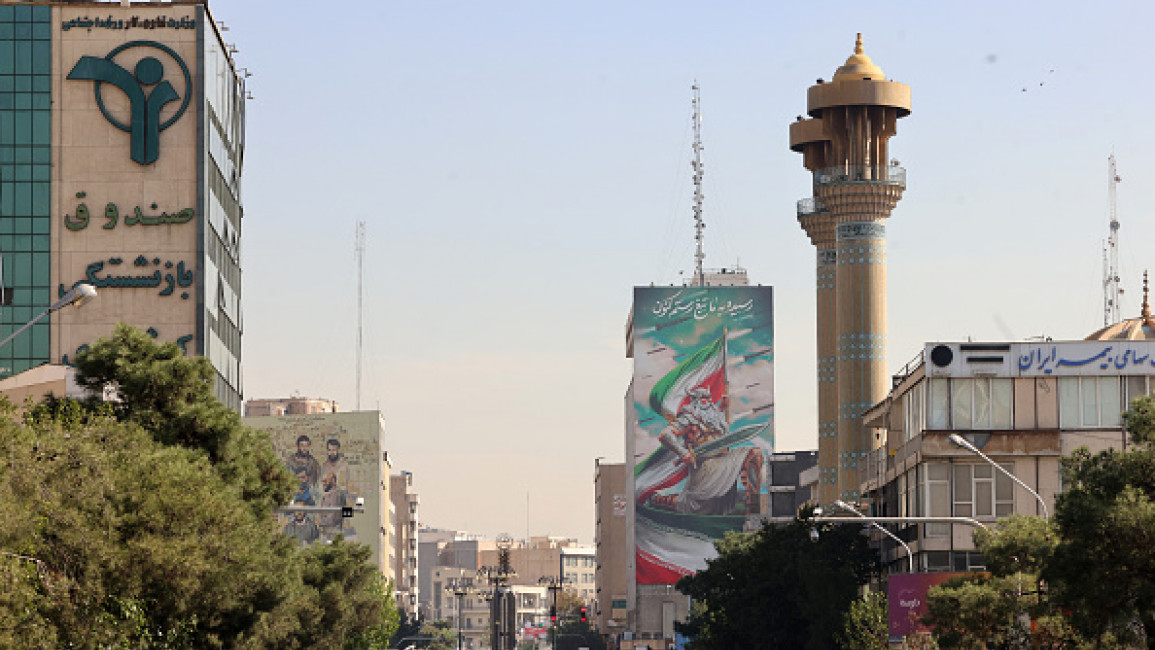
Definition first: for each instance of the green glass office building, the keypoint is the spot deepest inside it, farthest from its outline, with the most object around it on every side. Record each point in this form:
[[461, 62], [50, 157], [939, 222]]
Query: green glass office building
[[121, 149]]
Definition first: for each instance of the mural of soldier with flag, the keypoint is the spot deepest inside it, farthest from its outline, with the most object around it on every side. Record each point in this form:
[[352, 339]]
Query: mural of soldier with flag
[[708, 420]]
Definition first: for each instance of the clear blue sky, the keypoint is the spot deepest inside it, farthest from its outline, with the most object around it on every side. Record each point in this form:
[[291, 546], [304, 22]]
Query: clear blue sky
[[521, 165]]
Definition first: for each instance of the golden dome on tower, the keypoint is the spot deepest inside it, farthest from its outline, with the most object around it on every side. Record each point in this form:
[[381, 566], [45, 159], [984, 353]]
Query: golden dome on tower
[[859, 66]]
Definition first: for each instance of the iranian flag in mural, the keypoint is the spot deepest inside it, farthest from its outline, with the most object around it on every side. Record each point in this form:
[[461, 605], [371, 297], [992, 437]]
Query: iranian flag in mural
[[705, 368], [721, 340], [663, 558]]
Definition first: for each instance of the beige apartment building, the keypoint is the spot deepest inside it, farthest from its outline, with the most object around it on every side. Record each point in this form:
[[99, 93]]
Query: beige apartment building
[[539, 559], [611, 549], [337, 460], [405, 547], [289, 406], [1023, 404]]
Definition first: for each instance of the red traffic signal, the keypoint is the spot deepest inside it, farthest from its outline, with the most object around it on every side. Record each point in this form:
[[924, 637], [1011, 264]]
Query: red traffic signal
[[583, 619], [553, 614]]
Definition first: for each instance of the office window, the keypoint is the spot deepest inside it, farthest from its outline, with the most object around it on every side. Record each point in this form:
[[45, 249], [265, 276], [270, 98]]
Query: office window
[[939, 411], [1137, 387], [982, 492], [913, 408], [981, 403], [937, 497], [1088, 402]]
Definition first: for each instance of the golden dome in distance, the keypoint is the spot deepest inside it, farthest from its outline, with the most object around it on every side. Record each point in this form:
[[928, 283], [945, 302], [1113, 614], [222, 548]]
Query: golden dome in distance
[[859, 66], [1132, 329]]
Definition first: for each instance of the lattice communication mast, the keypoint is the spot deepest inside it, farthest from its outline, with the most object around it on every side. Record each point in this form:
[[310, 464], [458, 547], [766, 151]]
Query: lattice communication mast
[[359, 255], [1112, 291], [699, 170]]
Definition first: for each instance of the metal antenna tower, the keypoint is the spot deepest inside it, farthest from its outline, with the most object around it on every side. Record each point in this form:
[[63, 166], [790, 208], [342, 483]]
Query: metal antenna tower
[[359, 255], [699, 170], [1112, 292]]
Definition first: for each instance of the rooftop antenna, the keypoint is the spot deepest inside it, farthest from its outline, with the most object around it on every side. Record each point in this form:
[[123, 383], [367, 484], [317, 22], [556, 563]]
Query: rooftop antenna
[[359, 255], [699, 170], [1112, 292]]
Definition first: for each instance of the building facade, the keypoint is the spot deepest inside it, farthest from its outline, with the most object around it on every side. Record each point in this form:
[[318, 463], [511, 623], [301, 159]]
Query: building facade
[[789, 488], [844, 144], [290, 406], [699, 427], [121, 150], [337, 460], [405, 546], [459, 597], [1023, 404], [611, 549], [445, 549]]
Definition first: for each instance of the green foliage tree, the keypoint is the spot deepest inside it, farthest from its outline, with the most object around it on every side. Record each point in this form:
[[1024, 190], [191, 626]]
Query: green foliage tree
[[866, 624], [441, 635], [171, 397], [148, 523], [407, 626], [777, 587], [1103, 569], [975, 613], [569, 604]]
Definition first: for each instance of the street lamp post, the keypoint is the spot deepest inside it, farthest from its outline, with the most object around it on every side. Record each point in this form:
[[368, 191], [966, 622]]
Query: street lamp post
[[77, 295], [461, 590], [909, 556], [503, 610], [965, 444]]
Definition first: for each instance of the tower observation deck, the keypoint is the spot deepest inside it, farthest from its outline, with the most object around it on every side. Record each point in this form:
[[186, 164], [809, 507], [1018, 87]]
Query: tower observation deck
[[844, 144]]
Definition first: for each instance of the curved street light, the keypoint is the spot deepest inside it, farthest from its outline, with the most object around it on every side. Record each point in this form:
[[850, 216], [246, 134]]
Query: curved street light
[[77, 295], [909, 556], [966, 444]]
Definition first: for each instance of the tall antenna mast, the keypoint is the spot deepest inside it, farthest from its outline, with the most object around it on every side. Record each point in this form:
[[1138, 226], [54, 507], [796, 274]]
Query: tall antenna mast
[[359, 255], [699, 170], [1112, 292]]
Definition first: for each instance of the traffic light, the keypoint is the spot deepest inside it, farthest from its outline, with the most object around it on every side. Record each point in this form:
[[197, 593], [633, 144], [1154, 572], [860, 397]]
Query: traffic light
[[583, 619], [553, 613]]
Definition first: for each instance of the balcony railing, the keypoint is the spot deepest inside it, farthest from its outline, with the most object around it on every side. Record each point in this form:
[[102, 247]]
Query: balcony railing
[[809, 206], [847, 174], [908, 369]]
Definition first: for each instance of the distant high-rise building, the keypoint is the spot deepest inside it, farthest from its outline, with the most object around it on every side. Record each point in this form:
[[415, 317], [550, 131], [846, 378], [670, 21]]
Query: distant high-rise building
[[122, 136], [844, 143], [405, 546], [612, 550]]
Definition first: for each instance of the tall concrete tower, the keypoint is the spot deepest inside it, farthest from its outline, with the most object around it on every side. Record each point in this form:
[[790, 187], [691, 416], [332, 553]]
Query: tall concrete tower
[[844, 145]]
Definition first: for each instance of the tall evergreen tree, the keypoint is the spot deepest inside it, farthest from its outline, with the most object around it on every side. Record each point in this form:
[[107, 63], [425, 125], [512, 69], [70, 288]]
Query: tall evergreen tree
[[778, 587], [148, 523]]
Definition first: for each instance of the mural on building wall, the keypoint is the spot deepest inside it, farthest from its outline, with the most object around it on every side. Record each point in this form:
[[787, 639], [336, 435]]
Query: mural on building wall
[[703, 395], [333, 460]]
